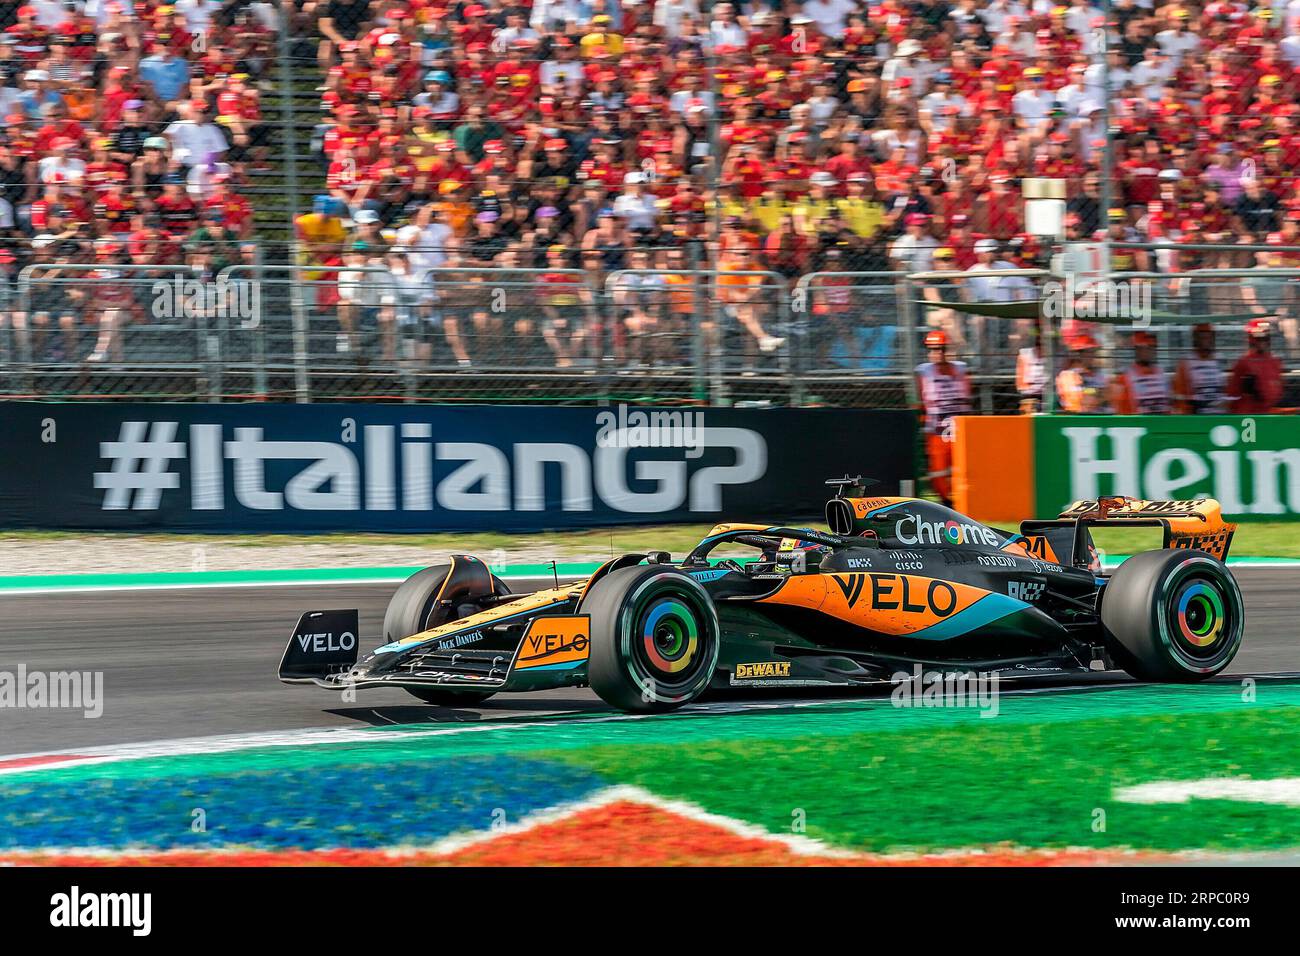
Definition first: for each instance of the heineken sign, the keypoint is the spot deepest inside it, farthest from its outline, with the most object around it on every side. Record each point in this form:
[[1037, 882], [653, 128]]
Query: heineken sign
[[1250, 464]]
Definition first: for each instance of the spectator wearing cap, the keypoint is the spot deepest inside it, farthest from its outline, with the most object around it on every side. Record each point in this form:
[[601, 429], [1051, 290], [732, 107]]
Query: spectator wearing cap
[[359, 292], [486, 242], [562, 68], [998, 212], [1034, 104], [1177, 40], [1255, 383], [944, 391], [439, 96], [601, 38], [564, 331], [813, 212], [990, 257], [742, 296], [1081, 387], [913, 251], [940, 109], [37, 93], [1199, 379], [148, 170], [368, 230], [321, 233], [642, 295], [129, 137], [1031, 373], [61, 162], [1142, 388], [635, 206], [1226, 173]]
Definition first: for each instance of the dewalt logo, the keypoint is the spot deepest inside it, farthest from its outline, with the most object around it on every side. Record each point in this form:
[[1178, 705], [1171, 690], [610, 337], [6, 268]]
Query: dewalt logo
[[763, 669]]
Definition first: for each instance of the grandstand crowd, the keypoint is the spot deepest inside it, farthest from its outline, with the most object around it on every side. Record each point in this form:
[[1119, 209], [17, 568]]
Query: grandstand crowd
[[581, 137]]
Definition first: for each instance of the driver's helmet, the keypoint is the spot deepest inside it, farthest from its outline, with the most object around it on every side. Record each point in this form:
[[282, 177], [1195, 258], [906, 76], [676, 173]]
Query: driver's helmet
[[792, 546]]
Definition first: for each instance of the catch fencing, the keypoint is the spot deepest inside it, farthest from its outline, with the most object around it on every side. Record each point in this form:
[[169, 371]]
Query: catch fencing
[[378, 329]]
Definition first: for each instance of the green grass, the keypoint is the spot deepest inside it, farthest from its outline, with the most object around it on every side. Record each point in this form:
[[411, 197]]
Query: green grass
[[678, 538], [1254, 539], [942, 787], [861, 774], [1267, 539]]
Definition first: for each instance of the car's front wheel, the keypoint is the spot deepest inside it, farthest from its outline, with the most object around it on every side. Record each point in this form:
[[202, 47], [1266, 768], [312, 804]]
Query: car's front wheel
[[440, 595], [654, 638]]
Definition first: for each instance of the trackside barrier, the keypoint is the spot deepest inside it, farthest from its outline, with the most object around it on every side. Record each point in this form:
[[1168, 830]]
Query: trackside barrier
[[512, 333], [736, 318], [850, 325]]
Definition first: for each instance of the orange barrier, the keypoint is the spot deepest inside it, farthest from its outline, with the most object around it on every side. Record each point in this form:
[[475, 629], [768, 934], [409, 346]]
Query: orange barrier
[[993, 467]]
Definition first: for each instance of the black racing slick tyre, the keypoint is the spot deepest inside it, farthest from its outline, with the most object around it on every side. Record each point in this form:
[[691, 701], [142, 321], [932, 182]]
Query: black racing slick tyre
[[1173, 616], [654, 638], [435, 596]]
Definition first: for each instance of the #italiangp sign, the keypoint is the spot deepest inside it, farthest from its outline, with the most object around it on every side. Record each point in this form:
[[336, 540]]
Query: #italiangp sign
[[1250, 464]]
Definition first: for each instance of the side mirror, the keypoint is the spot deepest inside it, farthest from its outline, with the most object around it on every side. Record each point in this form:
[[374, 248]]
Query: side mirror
[[659, 557]]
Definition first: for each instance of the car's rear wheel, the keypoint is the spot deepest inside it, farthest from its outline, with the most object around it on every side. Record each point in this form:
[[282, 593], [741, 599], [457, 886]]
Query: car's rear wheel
[[441, 594], [1173, 615], [654, 638]]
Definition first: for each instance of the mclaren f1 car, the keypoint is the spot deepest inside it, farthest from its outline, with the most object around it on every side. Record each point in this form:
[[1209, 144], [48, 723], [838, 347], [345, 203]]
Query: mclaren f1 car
[[893, 583]]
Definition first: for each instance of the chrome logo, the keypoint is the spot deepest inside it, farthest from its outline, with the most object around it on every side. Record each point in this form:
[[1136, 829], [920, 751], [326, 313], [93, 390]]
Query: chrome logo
[[670, 636], [1200, 614], [952, 532]]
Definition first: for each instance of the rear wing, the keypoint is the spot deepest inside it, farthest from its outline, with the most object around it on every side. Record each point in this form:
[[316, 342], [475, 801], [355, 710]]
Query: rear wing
[[1196, 524]]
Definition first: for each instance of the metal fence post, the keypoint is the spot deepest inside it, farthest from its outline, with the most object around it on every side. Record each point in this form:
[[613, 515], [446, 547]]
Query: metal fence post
[[259, 332], [298, 314], [699, 353], [795, 332], [908, 323]]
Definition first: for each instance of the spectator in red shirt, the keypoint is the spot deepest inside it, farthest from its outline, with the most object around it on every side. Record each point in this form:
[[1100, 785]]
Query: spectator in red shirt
[[1255, 384]]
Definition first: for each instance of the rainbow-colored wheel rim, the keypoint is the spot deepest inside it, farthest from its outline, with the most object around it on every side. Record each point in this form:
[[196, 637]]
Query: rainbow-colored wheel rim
[[669, 635], [1200, 614]]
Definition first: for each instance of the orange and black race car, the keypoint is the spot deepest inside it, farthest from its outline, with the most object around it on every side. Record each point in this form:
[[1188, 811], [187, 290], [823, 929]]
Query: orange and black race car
[[894, 583]]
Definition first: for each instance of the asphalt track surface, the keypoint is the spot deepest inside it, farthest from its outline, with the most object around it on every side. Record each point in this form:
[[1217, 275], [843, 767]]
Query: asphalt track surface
[[201, 662]]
